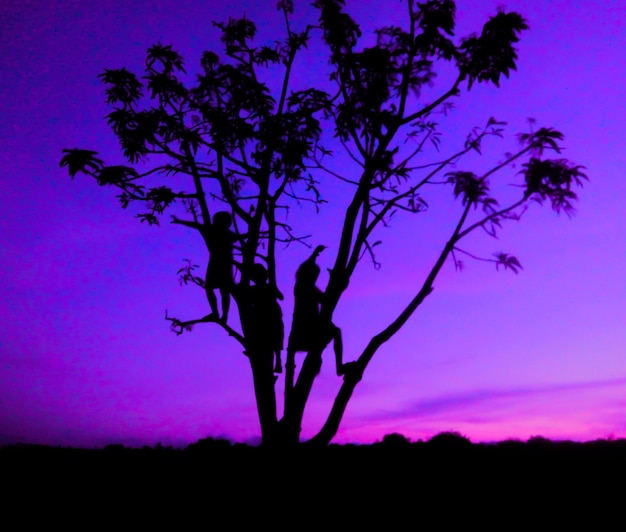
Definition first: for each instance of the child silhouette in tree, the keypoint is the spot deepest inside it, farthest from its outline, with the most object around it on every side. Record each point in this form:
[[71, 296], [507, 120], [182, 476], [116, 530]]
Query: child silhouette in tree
[[219, 273], [266, 315], [305, 327]]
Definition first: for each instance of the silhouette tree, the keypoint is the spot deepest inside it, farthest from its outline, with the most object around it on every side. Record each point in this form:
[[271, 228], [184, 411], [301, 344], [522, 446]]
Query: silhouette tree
[[244, 150]]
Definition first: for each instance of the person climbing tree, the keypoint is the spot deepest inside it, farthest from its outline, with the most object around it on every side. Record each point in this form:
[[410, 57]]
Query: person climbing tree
[[305, 327]]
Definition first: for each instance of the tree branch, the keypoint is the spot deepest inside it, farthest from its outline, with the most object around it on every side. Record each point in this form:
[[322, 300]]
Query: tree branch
[[355, 373], [179, 326], [452, 92]]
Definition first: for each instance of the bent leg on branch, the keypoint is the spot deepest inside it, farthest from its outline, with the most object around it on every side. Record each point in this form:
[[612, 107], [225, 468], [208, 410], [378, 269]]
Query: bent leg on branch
[[341, 368]]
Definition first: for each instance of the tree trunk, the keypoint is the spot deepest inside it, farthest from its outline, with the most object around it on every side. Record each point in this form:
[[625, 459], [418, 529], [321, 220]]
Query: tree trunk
[[261, 362]]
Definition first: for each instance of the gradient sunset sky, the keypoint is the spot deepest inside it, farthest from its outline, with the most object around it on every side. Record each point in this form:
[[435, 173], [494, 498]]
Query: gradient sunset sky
[[87, 358]]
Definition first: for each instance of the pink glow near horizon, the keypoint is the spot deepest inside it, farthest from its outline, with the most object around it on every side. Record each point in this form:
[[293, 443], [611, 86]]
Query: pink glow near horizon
[[87, 358]]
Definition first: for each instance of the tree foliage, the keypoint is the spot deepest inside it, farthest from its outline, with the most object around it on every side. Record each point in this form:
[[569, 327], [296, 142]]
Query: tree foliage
[[240, 147]]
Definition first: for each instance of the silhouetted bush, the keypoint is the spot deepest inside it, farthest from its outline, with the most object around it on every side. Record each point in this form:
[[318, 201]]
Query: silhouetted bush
[[449, 440], [539, 441], [395, 439], [210, 444]]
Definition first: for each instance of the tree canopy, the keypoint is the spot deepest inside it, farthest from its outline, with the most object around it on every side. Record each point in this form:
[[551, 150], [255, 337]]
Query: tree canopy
[[225, 156]]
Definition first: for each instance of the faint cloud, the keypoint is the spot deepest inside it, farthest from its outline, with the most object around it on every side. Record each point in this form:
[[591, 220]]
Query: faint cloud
[[477, 398]]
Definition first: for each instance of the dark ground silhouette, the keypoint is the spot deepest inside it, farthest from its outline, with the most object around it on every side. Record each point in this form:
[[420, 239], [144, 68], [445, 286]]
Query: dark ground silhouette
[[447, 478]]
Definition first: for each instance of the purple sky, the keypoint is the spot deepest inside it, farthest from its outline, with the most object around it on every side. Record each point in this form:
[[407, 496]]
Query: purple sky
[[87, 358]]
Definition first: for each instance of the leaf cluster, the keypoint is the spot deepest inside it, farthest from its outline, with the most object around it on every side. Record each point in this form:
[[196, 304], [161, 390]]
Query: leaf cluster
[[227, 127], [550, 179], [487, 57]]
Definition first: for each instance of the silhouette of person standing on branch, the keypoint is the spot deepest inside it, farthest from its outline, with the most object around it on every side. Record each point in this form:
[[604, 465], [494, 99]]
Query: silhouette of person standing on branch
[[306, 333], [219, 273], [268, 331]]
